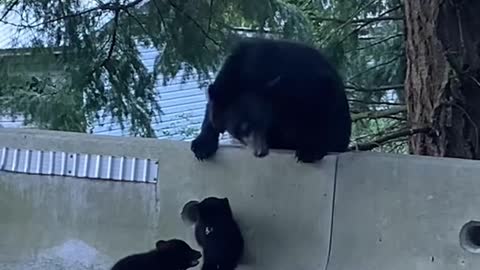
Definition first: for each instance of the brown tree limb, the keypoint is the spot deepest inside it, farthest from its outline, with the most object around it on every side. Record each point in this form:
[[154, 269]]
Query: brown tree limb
[[375, 89], [387, 138], [378, 114], [376, 43], [369, 102]]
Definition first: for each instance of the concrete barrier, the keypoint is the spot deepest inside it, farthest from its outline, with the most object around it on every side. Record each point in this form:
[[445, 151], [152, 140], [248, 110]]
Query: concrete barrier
[[404, 212], [389, 211], [50, 222]]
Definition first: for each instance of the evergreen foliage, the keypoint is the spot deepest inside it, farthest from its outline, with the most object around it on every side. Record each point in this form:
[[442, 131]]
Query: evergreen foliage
[[97, 50]]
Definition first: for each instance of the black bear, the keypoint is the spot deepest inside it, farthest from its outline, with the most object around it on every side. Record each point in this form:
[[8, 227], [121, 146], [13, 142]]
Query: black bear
[[171, 254], [216, 232], [276, 94]]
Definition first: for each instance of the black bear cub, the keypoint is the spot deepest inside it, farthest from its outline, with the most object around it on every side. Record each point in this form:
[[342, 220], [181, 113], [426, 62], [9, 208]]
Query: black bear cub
[[216, 232], [171, 254], [276, 94]]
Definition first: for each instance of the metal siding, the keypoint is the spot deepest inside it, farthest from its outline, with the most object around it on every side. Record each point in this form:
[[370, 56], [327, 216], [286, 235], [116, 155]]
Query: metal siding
[[182, 104], [93, 166]]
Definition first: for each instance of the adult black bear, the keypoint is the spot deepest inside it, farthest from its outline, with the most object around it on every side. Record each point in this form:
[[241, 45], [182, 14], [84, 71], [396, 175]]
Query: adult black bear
[[216, 232], [171, 254], [276, 94]]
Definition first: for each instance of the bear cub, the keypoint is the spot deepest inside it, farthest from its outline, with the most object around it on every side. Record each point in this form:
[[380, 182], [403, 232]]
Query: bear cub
[[276, 94], [216, 232], [171, 254]]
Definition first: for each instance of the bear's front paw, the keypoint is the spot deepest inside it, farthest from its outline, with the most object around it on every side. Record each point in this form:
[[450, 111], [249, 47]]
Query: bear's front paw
[[309, 156], [204, 147]]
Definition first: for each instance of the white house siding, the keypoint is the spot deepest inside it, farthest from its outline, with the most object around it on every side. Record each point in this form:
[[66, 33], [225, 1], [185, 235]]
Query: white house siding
[[182, 105], [8, 122]]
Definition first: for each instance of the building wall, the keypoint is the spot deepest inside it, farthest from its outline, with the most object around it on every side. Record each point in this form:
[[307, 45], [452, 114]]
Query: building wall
[[182, 104]]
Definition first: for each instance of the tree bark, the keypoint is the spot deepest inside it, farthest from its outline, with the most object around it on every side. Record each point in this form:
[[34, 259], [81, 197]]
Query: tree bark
[[442, 80]]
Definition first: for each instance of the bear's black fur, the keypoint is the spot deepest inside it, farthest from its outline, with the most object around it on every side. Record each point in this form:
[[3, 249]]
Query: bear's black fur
[[171, 254], [216, 232], [277, 94]]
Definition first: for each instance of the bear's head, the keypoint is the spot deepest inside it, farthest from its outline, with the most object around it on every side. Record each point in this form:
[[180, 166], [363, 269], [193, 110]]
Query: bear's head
[[247, 119], [245, 115], [177, 253], [212, 208], [207, 211]]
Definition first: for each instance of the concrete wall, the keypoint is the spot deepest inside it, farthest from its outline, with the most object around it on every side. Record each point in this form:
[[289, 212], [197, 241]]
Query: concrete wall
[[87, 224], [389, 211], [403, 212]]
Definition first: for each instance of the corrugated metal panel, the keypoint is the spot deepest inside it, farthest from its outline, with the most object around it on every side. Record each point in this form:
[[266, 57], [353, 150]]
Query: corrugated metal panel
[[78, 165]]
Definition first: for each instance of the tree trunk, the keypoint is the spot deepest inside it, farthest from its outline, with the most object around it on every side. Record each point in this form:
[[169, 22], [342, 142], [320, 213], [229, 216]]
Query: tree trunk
[[443, 76]]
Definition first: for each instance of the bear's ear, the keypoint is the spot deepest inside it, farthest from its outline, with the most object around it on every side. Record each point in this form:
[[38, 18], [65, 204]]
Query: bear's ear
[[190, 212], [162, 245], [226, 202]]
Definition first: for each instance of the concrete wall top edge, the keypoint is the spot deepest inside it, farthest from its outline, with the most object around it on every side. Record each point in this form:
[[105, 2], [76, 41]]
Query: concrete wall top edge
[[150, 148], [350, 157]]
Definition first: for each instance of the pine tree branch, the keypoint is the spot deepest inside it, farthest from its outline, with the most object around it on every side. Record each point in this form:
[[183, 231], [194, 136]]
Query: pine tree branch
[[375, 43], [197, 24], [378, 114], [137, 21], [374, 67], [114, 38], [367, 23], [366, 20], [111, 6], [375, 89], [9, 8], [387, 138], [369, 102], [160, 14], [210, 15], [343, 25]]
